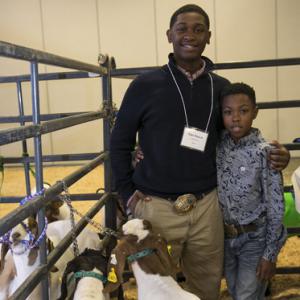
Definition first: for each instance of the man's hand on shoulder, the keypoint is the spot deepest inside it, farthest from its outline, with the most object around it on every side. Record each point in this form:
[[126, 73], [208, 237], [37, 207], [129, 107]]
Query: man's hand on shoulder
[[279, 156]]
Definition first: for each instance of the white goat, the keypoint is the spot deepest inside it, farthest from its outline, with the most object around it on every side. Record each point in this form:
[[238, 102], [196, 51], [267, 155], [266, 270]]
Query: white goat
[[6, 274], [27, 260], [150, 261]]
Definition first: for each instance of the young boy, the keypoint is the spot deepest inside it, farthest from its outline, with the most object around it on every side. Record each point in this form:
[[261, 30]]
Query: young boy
[[250, 196]]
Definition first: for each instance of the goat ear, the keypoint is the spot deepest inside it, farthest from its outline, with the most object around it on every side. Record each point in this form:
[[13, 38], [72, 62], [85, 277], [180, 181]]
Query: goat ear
[[32, 224], [4, 250], [71, 267], [165, 258], [57, 203], [115, 269], [32, 256], [147, 225], [111, 244]]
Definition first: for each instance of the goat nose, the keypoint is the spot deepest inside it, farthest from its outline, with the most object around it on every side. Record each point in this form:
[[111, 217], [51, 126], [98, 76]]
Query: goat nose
[[15, 236]]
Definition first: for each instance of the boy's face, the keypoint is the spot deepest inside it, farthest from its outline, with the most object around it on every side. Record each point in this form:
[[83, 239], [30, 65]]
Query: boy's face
[[238, 113], [189, 36]]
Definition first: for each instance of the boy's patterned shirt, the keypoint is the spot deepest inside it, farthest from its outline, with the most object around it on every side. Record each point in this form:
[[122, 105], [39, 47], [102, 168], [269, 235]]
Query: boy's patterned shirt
[[248, 187]]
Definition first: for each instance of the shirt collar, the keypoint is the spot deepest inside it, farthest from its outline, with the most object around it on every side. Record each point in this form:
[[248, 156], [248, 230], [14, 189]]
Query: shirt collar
[[195, 75], [247, 140]]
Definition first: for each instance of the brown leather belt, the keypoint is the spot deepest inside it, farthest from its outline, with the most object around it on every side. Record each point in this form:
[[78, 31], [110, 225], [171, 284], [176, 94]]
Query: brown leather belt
[[232, 231], [182, 204]]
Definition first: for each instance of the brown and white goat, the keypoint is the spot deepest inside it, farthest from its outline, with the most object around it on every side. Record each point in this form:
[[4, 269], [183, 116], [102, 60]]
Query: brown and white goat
[[154, 272]]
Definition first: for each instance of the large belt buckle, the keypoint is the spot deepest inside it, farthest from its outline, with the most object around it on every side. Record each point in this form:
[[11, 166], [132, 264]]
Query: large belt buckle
[[230, 231], [185, 203]]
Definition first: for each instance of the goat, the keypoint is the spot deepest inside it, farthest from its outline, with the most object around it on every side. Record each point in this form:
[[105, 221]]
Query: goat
[[56, 209], [88, 265], [6, 274], [87, 287], [26, 260], [147, 253]]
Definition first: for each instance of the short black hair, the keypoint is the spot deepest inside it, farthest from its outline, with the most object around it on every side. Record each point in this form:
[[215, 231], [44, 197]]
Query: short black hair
[[189, 8], [239, 88]]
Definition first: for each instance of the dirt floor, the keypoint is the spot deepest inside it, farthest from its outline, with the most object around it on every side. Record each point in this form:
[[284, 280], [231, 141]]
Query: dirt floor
[[283, 286]]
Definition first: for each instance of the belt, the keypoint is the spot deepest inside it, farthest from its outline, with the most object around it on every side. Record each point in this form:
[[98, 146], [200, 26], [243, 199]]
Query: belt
[[182, 203], [198, 196], [232, 231]]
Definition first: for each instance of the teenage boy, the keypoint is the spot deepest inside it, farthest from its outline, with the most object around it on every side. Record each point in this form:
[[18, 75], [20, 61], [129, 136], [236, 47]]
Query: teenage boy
[[250, 196], [175, 111]]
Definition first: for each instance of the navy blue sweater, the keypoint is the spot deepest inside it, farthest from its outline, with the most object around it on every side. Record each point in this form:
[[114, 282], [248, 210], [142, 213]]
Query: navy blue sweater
[[152, 108]]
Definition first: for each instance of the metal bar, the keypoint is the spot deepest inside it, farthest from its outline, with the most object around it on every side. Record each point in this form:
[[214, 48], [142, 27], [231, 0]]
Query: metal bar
[[74, 197], [39, 169], [49, 76], [17, 134], [20, 52], [43, 117], [279, 104], [24, 142], [133, 72], [19, 214], [35, 277], [288, 270], [110, 208], [52, 158], [292, 146], [46, 117], [293, 230]]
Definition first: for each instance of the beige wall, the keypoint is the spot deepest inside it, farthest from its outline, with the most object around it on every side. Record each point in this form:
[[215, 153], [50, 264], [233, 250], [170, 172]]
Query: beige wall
[[133, 31]]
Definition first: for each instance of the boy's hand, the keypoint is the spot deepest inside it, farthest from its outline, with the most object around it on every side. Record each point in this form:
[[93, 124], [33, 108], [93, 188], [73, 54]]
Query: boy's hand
[[265, 270], [138, 156], [279, 156]]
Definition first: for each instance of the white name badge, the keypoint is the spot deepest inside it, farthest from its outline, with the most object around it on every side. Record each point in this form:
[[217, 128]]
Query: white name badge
[[194, 138]]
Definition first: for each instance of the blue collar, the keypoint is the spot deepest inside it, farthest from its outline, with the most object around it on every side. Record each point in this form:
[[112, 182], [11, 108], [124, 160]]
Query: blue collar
[[82, 274], [138, 255]]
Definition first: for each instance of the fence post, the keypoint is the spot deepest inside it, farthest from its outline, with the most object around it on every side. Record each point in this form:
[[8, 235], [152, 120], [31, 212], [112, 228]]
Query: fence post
[[39, 169]]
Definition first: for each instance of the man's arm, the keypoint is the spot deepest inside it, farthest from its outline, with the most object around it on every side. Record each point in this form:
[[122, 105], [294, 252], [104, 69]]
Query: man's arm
[[272, 185], [123, 140], [279, 156]]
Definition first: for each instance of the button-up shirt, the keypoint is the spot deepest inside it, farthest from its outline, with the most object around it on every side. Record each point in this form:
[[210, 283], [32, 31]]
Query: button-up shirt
[[192, 77], [249, 188]]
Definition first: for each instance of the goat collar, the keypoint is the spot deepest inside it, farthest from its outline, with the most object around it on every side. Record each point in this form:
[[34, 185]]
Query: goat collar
[[140, 254], [82, 274]]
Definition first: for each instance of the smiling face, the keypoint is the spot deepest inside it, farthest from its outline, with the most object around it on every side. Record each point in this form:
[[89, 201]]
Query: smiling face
[[238, 113], [189, 36]]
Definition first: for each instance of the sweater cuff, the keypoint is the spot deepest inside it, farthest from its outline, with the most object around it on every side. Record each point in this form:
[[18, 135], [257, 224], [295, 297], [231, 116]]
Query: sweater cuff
[[125, 195]]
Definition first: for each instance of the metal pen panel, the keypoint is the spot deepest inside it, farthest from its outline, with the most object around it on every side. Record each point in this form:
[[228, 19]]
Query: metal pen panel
[[35, 277], [17, 134], [24, 53], [20, 213]]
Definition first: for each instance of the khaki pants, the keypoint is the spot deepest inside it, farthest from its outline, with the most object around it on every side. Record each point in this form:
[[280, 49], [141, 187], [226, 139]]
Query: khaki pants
[[196, 240]]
